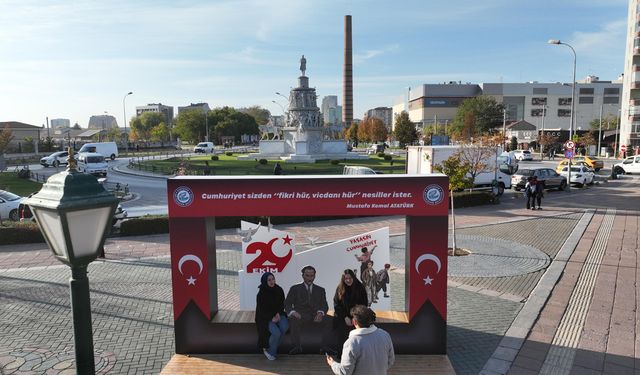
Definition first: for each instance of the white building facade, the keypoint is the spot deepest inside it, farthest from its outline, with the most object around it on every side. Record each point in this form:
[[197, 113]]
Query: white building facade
[[331, 111], [630, 122]]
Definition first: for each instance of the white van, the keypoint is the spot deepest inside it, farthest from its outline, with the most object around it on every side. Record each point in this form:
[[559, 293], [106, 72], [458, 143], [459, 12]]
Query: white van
[[107, 149], [92, 163]]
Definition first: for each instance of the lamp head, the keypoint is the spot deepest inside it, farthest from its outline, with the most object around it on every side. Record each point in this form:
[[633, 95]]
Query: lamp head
[[130, 92], [554, 41]]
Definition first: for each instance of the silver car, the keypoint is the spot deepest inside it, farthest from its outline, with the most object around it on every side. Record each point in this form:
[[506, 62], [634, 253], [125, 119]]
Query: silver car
[[55, 159]]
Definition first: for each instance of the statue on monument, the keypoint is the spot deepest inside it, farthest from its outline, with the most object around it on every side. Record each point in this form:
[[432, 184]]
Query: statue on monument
[[303, 64]]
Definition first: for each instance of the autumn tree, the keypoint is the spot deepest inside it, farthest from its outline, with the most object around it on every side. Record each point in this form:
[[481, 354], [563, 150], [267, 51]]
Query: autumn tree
[[363, 130], [377, 130], [141, 125], [405, 131], [6, 136], [160, 133], [351, 134]]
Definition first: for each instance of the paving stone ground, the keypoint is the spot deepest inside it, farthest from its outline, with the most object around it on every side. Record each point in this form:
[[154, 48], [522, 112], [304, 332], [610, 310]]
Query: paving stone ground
[[131, 292]]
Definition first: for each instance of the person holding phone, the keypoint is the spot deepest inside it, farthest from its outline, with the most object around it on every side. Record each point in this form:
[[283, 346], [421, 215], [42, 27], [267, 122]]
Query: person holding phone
[[369, 350]]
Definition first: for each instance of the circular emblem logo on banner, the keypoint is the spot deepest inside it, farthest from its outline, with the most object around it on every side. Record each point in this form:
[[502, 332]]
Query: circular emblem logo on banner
[[433, 194], [183, 196]]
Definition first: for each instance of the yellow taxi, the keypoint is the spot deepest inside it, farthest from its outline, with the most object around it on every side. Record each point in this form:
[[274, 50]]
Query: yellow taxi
[[591, 161], [564, 163]]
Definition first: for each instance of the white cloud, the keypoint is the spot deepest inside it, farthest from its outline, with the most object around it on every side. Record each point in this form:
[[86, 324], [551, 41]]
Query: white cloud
[[610, 35]]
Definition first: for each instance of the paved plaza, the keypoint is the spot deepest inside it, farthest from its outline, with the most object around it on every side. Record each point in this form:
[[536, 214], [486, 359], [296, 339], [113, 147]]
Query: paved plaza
[[549, 291]]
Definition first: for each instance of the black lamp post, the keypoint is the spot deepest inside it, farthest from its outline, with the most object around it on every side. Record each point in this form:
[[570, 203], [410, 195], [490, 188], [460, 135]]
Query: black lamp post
[[74, 214]]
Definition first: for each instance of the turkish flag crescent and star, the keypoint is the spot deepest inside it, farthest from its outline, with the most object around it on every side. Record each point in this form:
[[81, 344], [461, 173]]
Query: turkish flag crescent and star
[[189, 265]]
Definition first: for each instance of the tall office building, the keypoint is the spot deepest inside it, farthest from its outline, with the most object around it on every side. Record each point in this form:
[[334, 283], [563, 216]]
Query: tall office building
[[630, 110], [382, 113], [60, 123], [331, 111], [166, 110], [203, 107]]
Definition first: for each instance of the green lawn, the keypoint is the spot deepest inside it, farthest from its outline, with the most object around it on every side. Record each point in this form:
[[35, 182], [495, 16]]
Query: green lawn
[[9, 181], [230, 165]]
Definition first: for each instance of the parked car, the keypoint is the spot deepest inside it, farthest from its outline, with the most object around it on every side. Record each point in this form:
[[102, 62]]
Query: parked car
[[565, 162], [9, 204], [92, 163], [203, 147], [27, 215], [522, 155], [580, 175], [375, 149], [628, 165], [55, 159], [593, 162], [549, 178], [353, 169]]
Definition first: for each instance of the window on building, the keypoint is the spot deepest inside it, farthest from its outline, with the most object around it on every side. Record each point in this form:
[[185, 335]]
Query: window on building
[[585, 100], [564, 101], [612, 91], [611, 100], [635, 127], [537, 112], [564, 113], [586, 91], [538, 101], [539, 91]]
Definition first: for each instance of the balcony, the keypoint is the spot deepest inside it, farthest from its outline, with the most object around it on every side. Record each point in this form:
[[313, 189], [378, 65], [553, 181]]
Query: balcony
[[634, 102]]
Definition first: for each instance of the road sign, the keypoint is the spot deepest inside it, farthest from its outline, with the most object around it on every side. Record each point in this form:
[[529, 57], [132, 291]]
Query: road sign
[[570, 145], [568, 154], [623, 148]]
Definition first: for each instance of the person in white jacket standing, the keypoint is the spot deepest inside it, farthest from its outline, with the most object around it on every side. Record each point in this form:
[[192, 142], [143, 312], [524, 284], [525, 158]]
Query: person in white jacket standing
[[369, 349]]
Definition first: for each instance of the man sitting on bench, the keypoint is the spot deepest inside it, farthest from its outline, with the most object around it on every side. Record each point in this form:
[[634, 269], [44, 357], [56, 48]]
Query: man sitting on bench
[[305, 303]]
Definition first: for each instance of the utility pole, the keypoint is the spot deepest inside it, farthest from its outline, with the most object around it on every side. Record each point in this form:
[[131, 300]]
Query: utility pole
[[504, 129]]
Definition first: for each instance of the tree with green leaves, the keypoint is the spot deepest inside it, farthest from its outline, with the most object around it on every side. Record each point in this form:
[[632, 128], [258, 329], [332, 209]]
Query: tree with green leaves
[[261, 115], [457, 169], [608, 123], [6, 136], [513, 143], [190, 125], [476, 116], [141, 125], [405, 131], [160, 133]]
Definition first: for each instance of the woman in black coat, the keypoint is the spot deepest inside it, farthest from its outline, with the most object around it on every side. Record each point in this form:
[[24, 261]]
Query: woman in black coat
[[349, 292], [271, 320]]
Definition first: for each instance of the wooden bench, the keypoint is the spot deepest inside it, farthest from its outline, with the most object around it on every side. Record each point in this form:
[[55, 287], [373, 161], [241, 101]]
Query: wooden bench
[[245, 316], [299, 364]]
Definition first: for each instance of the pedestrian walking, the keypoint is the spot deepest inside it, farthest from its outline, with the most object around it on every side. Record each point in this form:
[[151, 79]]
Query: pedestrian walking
[[277, 169], [530, 192], [539, 191]]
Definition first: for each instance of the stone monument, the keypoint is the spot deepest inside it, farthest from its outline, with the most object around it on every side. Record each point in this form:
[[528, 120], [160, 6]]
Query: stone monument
[[303, 138]]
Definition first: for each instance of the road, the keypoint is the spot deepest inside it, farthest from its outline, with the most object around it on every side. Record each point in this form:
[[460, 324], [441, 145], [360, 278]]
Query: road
[[150, 193]]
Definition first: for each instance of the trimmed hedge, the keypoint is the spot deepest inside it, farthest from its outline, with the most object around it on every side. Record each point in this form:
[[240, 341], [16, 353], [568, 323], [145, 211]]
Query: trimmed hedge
[[335, 161], [473, 198], [12, 233], [263, 161], [214, 157]]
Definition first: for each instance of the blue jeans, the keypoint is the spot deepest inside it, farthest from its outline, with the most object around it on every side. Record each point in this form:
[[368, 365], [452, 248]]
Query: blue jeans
[[277, 331]]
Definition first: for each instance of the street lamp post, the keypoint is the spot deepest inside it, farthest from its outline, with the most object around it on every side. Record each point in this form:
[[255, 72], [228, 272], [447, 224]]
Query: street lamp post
[[206, 124], [124, 113], [573, 98], [544, 107], [74, 214], [281, 106]]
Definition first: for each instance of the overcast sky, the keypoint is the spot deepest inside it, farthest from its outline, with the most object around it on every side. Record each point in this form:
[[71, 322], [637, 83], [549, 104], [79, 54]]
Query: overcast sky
[[74, 59]]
